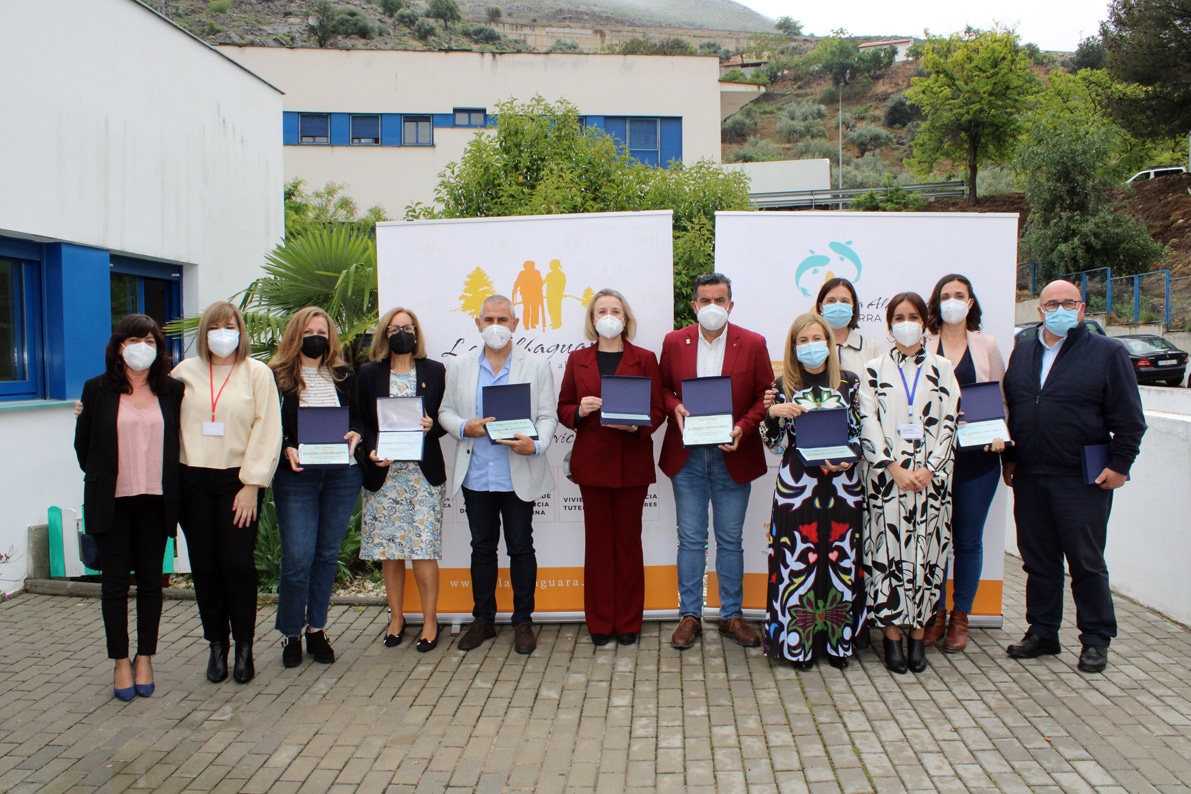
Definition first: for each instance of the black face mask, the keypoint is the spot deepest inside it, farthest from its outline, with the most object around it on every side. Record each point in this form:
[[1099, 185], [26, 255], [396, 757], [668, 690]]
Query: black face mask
[[402, 343], [315, 346]]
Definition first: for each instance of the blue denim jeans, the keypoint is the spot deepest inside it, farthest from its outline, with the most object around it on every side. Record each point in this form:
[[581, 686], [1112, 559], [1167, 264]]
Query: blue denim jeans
[[971, 498], [702, 480], [313, 510]]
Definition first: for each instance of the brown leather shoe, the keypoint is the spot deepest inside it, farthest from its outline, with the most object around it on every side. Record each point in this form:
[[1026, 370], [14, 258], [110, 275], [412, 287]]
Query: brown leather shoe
[[741, 633], [684, 636], [524, 640], [476, 633], [936, 627], [957, 633]]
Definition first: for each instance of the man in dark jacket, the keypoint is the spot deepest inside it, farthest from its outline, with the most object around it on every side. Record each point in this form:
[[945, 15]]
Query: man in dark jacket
[[1068, 390]]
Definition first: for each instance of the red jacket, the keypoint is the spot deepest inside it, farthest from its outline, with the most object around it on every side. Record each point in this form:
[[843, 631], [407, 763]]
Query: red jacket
[[604, 457], [746, 360]]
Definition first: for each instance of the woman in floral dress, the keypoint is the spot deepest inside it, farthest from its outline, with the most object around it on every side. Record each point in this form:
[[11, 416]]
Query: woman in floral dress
[[816, 518], [403, 500], [909, 400]]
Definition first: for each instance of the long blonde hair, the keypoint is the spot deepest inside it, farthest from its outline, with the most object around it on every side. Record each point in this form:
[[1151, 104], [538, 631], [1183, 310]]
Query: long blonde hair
[[792, 369], [287, 362]]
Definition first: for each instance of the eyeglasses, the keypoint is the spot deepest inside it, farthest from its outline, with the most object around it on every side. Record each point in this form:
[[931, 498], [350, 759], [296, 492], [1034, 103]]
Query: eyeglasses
[[1050, 306], [392, 329]]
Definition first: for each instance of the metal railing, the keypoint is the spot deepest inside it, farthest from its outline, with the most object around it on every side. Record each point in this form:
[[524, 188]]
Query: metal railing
[[795, 199], [1153, 297]]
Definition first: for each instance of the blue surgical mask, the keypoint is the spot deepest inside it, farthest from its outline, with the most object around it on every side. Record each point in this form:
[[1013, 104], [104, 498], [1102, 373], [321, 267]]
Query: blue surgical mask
[[811, 354], [837, 315], [1059, 320]]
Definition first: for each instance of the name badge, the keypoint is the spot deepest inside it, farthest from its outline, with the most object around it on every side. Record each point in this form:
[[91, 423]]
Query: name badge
[[910, 431], [212, 428]]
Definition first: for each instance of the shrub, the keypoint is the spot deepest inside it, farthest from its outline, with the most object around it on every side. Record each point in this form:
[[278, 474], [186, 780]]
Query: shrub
[[219, 6], [869, 171], [1075, 241], [709, 48], [899, 111], [484, 34], [757, 77], [351, 21], [755, 150], [828, 96], [425, 29], [563, 46], [391, 7], [791, 131], [846, 120], [739, 126], [890, 197], [407, 17], [867, 138], [494, 13], [815, 150], [805, 111]]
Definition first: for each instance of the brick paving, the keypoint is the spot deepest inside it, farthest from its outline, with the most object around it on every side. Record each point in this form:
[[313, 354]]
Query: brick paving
[[573, 717]]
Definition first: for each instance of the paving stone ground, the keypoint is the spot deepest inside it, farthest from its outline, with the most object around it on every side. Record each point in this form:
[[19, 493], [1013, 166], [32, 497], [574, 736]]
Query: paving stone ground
[[573, 717]]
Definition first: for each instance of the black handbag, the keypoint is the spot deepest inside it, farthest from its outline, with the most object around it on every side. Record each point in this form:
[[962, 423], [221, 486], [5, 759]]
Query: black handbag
[[89, 551]]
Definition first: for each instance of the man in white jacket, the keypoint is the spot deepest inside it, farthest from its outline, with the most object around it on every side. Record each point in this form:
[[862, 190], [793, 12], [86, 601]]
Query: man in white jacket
[[501, 479]]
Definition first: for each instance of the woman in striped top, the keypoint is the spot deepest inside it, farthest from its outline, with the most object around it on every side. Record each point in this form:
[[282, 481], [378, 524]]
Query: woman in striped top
[[314, 504]]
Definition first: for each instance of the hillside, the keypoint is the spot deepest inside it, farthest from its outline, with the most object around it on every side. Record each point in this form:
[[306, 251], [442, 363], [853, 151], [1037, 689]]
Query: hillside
[[695, 14]]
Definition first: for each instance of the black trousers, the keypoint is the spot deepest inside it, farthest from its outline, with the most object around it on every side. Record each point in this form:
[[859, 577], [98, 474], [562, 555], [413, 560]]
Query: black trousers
[[1061, 517], [485, 512], [136, 542], [222, 555]]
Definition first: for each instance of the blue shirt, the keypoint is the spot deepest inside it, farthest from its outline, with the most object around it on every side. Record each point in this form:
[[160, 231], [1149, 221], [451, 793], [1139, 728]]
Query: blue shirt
[[489, 466], [1049, 353]]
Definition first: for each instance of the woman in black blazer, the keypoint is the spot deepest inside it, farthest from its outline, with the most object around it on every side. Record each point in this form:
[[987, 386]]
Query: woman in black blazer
[[403, 501], [126, 439]]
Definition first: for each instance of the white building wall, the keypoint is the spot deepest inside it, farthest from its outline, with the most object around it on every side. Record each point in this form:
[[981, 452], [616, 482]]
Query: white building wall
[[378, 81], [122, 132]]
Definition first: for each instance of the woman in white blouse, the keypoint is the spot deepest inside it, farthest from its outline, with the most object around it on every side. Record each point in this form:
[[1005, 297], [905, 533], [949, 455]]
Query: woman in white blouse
[[314, 504]]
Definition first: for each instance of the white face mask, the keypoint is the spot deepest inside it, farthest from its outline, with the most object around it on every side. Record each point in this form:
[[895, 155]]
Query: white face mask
[[139, 356], [953, 311], [609, 327], [713, 317], [907, 334], [223, 341], [496, 336]]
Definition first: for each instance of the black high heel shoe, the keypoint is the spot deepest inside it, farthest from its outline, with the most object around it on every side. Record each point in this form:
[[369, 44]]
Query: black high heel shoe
[[424, 645], [916, 655], [244, 671], [393, 640], [217, 664], [895, 660]]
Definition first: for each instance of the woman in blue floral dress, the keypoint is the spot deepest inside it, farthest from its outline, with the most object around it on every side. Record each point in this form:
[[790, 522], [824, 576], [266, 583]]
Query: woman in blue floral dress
[[817, 510]]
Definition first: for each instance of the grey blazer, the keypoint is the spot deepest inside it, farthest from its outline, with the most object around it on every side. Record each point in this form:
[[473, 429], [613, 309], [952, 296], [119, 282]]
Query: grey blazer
[[532, 476]]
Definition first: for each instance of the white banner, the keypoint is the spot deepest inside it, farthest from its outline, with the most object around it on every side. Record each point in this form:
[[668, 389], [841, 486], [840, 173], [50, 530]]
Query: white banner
[[550, 266], [778, 260]]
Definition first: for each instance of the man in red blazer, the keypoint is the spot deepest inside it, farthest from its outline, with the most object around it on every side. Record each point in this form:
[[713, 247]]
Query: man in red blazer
[[720, 476]]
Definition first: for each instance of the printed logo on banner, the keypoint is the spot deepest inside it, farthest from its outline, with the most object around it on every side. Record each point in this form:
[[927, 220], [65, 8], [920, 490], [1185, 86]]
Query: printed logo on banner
[[845, 264], [538, 296]]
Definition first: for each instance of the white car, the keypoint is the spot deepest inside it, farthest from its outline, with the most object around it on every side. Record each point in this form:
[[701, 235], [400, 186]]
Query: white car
[[1154, 173]]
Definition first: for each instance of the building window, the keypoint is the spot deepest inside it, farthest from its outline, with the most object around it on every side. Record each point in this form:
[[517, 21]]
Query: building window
[[470, 117], [365, 130], [644, 140], [20, 294], [139, 287], [417, 131], [314, 128]]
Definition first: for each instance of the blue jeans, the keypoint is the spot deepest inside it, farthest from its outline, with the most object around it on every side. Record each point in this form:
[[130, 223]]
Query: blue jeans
[[971, 498], [705, 479], [314, 508]]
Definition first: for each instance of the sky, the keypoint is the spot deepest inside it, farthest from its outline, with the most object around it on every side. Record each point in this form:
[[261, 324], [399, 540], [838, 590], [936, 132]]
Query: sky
[[1050, 24]]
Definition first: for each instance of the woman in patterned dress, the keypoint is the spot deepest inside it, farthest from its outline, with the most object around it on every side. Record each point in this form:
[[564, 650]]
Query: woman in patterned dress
[[817, 510], [909, 401], [403, 500]]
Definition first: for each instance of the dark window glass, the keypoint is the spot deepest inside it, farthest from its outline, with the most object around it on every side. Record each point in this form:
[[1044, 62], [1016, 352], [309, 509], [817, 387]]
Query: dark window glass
[[12, 345], [366, 130], [314, 128], [643, 133]]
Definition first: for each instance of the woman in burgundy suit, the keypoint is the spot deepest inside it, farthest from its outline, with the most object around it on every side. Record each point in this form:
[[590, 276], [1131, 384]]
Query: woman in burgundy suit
[[613, 467]]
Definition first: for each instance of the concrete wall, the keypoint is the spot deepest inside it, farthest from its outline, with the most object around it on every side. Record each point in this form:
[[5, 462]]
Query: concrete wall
[[380, 81], [1149, 534], [122, 135]]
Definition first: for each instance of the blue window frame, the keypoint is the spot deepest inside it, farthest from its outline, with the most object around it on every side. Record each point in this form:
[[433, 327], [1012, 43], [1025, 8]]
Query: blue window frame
[[471, 117], [644, 139], [365, 130], [20, 329], [314, 128], [141, 287], [417, 131]]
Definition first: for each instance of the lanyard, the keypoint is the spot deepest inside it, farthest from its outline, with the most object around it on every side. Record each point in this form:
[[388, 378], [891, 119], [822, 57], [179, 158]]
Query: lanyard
[[215, 397], [910, 392]]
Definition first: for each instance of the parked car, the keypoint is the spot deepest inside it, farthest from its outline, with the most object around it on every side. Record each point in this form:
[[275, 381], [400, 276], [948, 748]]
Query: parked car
[[1154, 173], [1023, 333], [1155, 360]]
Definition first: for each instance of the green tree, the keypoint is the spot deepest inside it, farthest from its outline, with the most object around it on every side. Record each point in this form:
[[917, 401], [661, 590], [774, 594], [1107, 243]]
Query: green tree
[[541, 160], [868, 138], [1090, 54], [328, 206], [788, 26], [322, 23], [446, 10], [1147, 43], [890, 197], [391, 7], [978, 84], [494, 13]]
